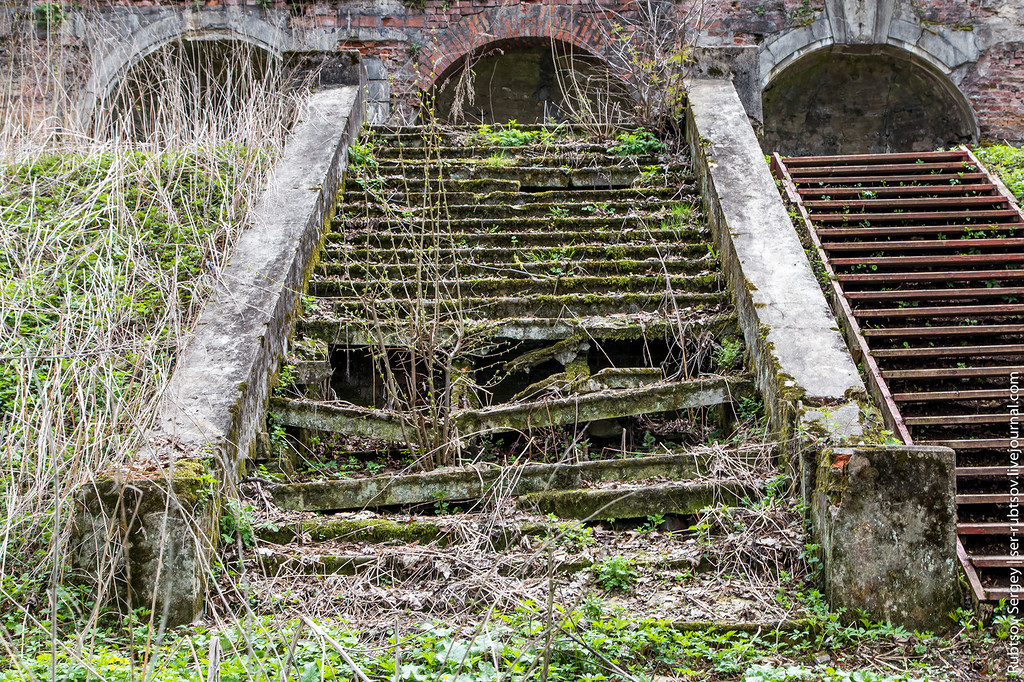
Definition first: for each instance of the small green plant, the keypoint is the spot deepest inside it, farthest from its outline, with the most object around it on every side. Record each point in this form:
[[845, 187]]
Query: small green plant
[[638, 143], [559, 212], [361, 154], [236, 523], [286, 378], [654, 522], [571, 535], [510, 135], [498, 160], [48, 15], [441, 506], [616, 573], [726, 355], [748, 408]]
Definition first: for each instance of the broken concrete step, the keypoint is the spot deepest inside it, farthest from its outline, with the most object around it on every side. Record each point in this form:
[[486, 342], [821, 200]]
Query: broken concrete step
[[423, 531], [443, 256], [537, 305], [472, 291], [522, 417], [618, 326], [591, 199], [532, 265], [402, 564], [474, 483], [636, 501]]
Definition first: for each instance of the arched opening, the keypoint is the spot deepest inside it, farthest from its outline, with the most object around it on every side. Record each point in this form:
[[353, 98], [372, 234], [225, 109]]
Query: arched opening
[[527, 80], [848, 100], [190, 88]]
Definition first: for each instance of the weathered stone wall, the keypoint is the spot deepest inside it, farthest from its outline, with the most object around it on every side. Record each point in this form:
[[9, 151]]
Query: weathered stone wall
[[976, 46], [885, 521]]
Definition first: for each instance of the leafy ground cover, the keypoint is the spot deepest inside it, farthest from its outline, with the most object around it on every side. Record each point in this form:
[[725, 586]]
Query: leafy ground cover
[[1008, 163]]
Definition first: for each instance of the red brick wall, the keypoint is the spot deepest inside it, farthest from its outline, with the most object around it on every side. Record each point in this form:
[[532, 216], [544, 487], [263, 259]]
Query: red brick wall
[[995, 86]]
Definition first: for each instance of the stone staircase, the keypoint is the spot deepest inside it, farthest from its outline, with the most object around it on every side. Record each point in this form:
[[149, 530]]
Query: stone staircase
[[514, 339]]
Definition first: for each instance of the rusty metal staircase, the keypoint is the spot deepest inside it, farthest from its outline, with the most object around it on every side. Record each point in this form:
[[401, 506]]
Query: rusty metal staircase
[[924, 255]]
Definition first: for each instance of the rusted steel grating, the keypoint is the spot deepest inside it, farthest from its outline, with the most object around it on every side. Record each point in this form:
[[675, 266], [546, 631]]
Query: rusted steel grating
[[924, 253]]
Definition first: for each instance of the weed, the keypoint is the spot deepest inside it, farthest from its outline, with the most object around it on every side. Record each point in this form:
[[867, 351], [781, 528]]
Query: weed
[[571, 535], [654, 522], [616, 573], [361, 154], [637, 143], [726, 355], [510, 135], [48, 15], [749, 408]]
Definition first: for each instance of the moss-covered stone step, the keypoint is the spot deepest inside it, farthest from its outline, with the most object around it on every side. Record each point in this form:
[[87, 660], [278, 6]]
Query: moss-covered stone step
[[413, 165], [567, 211], [505, 234], [590, 201], [614, 327], [638, 501], [442, 256], [537, 305], [532, 265], [381, 151], [418, 136], [606, 177], [634, 225], [474, 483], [381, 186], [473, 291]]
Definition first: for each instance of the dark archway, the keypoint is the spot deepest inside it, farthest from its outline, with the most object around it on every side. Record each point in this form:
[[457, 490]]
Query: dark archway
[[528, 80], [846, 100], [188, 87]]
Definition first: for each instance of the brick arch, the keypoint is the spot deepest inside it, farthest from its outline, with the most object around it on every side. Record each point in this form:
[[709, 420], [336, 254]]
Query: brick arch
[[923, 109], [508, 26], [114, 64]]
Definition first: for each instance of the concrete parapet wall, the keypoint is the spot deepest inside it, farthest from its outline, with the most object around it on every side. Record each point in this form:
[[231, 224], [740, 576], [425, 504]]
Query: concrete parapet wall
[[885, 520], [219, 389], [799, 356], [153, 529]]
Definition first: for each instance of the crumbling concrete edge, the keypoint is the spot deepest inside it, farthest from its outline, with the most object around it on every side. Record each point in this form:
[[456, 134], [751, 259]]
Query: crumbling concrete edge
[[814, 396], [154, 533]]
